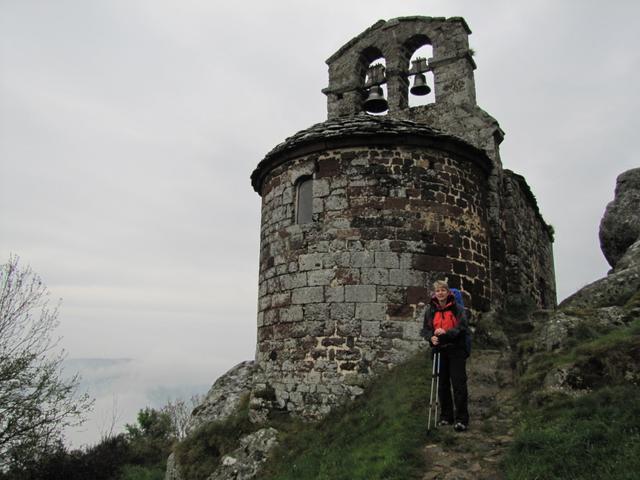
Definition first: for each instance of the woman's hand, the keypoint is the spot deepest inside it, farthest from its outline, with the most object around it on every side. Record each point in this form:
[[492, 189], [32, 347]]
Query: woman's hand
[[439, 331], [434, 340]]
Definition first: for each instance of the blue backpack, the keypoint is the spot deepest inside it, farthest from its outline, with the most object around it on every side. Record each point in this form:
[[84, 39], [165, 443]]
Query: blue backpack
[[457, 294]]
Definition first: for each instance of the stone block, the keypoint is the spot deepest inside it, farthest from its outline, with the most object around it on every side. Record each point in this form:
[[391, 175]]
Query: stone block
[[328, 168], [374, 276], [362, 259], [392, 330], [370, 328], [391, 294], [310, 261], [317, 205], [287, 195], [360, 293], [291, 281], [320, 277], [430, 263], [406, 277], [334, 294], [387, 260], [264, 303], [333, 341], [337, 259], [307, 295], [342, 311], [316, 312], [349, 328], [346, 276], [280, 299], [371, 311], [336, 202], [291, 314], [270, 316], [416, 295], [400, 311], [406, 261], [321, 188]]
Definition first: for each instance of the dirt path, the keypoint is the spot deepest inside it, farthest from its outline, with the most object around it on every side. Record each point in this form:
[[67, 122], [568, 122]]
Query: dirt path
[[476, 453]]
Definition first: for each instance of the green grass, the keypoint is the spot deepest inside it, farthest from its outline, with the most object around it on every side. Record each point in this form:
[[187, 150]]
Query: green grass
[[596, 436], [138, 472], [378, 436], [604, 360], [593, 436]]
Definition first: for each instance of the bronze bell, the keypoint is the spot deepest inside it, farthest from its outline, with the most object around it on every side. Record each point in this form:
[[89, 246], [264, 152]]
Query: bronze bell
[[420, 86], [375, 102]]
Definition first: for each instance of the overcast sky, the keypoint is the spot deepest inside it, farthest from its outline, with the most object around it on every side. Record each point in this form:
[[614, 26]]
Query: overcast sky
[[129, 129]]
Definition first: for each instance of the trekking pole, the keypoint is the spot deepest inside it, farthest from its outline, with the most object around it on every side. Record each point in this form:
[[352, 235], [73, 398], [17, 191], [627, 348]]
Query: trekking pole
[[435, 419], [435, 359]]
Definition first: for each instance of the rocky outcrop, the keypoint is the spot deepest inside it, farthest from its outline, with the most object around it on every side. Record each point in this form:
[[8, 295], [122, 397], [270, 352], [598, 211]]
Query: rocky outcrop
[[608, 303], [223, 400], [614, 289], [620, 226], [620, 243], [244, 462], [225, 396]]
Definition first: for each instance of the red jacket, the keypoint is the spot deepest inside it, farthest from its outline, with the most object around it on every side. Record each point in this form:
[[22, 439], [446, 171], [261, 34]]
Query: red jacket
[[451, 318]]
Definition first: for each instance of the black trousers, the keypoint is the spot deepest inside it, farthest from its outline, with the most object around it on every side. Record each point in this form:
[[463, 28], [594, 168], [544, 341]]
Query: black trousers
[[453, 376]]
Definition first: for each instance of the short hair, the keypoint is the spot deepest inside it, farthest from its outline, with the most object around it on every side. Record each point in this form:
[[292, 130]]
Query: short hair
[[440, 284]]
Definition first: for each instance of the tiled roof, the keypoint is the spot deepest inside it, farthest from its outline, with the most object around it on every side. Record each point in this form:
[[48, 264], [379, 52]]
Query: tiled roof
[[369, 128]]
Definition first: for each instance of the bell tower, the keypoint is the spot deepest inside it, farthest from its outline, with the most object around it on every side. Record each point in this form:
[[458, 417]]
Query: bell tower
[[351, 81]]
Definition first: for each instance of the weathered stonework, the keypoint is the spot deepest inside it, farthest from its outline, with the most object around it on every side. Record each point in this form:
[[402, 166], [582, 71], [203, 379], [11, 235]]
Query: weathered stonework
[[525, 247], [398, 201]]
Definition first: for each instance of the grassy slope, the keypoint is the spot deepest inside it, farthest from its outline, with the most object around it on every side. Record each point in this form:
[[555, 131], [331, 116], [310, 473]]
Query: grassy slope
[[593, 436], [379, 435]]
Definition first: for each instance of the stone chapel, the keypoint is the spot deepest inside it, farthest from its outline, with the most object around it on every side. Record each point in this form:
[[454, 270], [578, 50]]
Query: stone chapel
[[362, 212]]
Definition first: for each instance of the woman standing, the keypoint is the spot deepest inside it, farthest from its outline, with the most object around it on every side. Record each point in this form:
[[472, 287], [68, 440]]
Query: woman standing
[[445, 327]]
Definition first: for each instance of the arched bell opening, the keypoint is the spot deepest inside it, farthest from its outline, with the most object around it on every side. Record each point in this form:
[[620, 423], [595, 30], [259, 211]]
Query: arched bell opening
[[421, 79], [372, 73]]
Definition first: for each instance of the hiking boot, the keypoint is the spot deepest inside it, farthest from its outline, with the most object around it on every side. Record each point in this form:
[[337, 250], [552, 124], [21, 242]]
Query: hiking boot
[[460, 427], [445, 423]]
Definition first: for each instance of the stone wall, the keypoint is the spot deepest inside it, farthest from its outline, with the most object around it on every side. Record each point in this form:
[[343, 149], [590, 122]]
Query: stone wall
[[526, 250], [338, 298]]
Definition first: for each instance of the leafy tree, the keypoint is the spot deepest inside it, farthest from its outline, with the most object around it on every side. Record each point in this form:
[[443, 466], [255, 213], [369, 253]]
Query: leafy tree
[[151, 438], [36, 401]]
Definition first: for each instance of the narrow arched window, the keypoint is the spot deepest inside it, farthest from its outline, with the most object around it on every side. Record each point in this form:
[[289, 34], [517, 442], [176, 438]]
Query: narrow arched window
[[304, 200]]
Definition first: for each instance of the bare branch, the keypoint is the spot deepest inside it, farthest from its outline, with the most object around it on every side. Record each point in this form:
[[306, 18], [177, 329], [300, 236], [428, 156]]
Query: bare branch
[[36, 401]]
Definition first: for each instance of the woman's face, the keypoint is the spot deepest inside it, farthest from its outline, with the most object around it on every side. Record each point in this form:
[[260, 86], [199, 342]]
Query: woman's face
[[441, 294]]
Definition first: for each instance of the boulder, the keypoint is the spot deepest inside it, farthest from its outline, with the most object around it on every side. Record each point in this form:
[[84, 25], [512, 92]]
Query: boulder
[[620, 225], [617, 288], [225, 396], [245, 462]]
